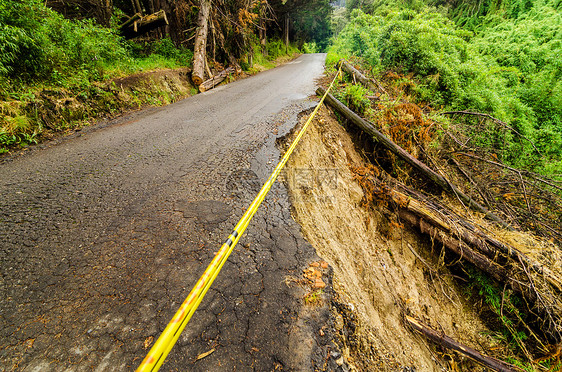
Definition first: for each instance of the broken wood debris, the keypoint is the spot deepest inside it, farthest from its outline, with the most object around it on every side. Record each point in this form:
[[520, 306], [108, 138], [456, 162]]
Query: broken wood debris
[[447, 342], [138, 25], [540, 287], [435, 177], [216, 79], [537, 284]]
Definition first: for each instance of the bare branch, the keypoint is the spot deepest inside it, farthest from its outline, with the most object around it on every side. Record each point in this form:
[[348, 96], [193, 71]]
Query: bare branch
[[498, 121]]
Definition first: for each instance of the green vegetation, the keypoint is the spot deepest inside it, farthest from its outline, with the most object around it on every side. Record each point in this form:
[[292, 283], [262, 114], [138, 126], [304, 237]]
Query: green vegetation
[[502, 310], [267, 57], [313, 298], [355, 96], [311, 23], [500, 61], [42, 51], [503, 306], [55, 72], [505, 62], [38, 45]]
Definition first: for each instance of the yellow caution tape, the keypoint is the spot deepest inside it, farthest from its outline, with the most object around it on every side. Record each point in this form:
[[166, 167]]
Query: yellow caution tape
[[170, 335]]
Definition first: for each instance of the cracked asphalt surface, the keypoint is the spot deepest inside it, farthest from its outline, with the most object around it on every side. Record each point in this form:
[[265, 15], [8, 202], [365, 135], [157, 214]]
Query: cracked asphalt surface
[[103, 234]]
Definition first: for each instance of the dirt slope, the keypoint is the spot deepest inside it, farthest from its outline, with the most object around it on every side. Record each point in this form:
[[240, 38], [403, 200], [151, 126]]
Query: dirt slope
[[381, 271]]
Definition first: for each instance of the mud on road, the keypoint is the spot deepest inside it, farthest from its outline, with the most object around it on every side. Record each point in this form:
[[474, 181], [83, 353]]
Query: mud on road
[[104, 234]]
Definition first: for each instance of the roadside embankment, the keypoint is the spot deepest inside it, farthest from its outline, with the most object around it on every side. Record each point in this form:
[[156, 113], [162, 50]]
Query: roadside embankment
[[52, 112], [382, 271]]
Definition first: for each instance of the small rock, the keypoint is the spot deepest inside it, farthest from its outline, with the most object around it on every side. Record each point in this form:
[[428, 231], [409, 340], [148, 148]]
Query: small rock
[[339, 361], [323, 264]]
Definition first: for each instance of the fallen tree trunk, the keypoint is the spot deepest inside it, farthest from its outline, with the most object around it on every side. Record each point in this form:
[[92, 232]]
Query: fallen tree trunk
[[447, 342], [143, 25], [215, 80], [436, 178], [465, 251], [368, 83], [129, 22], [541, 289], [200, 49]]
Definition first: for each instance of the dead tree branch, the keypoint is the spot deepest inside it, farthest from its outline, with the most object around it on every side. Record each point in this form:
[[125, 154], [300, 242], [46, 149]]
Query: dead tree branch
[[447, 342], [495, 120], [529, 174], [436, 178]]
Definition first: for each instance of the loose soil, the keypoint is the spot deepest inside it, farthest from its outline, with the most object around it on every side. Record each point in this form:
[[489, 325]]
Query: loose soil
[[381, 270]]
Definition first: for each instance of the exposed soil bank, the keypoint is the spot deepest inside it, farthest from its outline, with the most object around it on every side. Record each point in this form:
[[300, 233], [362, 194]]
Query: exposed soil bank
[[59, 111], [381, 270]]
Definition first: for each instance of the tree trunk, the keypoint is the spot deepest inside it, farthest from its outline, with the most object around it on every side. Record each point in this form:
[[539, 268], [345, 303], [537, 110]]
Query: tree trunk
[[108, 10], [263, 33], [447, 342], [151, 7], [216, 80], [368, 83], [143, 25], [380, 138], [137, 6], [286, 33], [200, 50]]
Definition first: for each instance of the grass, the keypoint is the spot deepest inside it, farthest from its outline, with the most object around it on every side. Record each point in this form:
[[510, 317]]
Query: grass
[[313, 298]]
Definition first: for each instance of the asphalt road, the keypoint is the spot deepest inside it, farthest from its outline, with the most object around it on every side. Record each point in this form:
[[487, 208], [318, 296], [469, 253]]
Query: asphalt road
[[103, 234]]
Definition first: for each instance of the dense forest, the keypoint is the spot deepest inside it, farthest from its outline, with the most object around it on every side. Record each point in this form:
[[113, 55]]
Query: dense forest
[[501, 58]]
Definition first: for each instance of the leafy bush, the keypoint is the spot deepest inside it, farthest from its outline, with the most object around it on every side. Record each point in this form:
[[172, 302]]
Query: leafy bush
[[311, 47], [277, 48], [39, 47], [264, 57], [511, 69], [355, 96], [166, 48], [38, 43]]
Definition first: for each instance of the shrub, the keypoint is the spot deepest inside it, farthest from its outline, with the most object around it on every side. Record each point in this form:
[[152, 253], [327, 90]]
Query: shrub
[[355, 96], [511, 69], [311, 47], [166, 48], [36, 41]]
